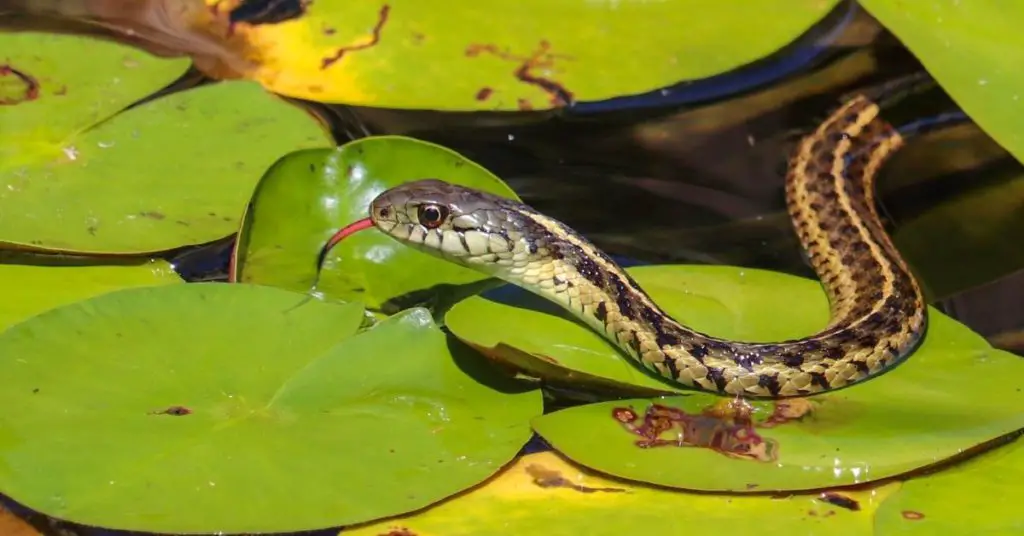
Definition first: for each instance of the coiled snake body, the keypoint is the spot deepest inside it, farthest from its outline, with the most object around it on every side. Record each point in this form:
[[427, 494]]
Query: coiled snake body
[[878, 313]]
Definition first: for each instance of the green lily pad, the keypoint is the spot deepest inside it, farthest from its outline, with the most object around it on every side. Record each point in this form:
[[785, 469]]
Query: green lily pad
[[308, 195], [409, 54], [240, 408], [538, 337], [953, 393], [31, 286], [542, 493], [974, 50], [79, 174], [979, 496]]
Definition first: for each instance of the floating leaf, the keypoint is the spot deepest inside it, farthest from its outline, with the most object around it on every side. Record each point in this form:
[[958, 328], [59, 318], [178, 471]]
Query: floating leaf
[[409, 54], [974, 497], [308, 195], [79, 176], [953, 393], [974, 50], [29, 288], [254, 409], [543, 494]]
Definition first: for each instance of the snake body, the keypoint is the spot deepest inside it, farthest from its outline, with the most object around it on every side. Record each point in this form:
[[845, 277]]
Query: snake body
[[878, 313]]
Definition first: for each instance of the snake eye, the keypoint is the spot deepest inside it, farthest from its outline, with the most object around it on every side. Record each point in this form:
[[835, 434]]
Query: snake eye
[[431, 216]]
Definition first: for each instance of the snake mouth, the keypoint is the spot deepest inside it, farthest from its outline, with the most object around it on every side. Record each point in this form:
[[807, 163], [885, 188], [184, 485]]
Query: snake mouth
[[345, 232]]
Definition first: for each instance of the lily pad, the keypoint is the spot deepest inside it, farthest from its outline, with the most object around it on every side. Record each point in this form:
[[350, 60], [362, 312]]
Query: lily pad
[[276, 415], [32, 286], [80, 173], [308, 195], [408, 54], [974, 50], [975, 497], [542, 493], [953, 393]]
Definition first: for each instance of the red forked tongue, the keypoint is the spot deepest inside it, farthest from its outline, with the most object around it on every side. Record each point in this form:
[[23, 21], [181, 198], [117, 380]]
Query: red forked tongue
[[344, 233]]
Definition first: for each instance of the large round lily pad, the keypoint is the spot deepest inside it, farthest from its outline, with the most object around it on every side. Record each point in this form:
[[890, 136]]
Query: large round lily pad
[[308, 195], [31, 285], [240, 408], [542, 493], [81, 173], [542, 54], [954, 392]]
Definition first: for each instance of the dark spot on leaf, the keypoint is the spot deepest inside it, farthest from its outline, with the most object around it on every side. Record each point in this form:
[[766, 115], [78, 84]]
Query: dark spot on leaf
[[35, 391], [153, 215], [484, 93], [839, 500], [257, 12], [912, 515], [176, 411]]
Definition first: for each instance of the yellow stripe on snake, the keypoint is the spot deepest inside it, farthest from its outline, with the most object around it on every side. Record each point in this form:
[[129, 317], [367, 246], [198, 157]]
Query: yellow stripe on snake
[[878, 314]]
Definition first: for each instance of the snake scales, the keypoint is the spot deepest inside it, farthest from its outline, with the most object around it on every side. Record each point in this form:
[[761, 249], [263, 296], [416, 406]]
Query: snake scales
[[878, 313]]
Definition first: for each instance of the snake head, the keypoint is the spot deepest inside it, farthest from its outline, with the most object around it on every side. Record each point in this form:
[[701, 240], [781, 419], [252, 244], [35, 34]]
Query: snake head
[[447, 220]]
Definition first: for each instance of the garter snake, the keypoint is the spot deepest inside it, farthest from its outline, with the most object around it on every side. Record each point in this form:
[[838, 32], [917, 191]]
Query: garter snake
[[878, 313]]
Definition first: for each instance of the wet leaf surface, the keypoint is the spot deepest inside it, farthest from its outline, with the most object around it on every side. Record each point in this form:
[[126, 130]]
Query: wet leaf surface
[[953, 393], [542, 55], [80, 174], [973, 49], [978, 496], [308, 195], [30, 289], [544, 494], [278, 417]]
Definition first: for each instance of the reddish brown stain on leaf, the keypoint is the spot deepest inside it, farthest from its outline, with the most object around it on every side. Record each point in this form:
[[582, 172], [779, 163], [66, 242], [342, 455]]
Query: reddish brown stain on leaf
[[382, 19], [727, 428], [16, 86], [484, 93], [788, 411], [177, 411], [549, 478], [542, 58], [397, 531], [912, 515]]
